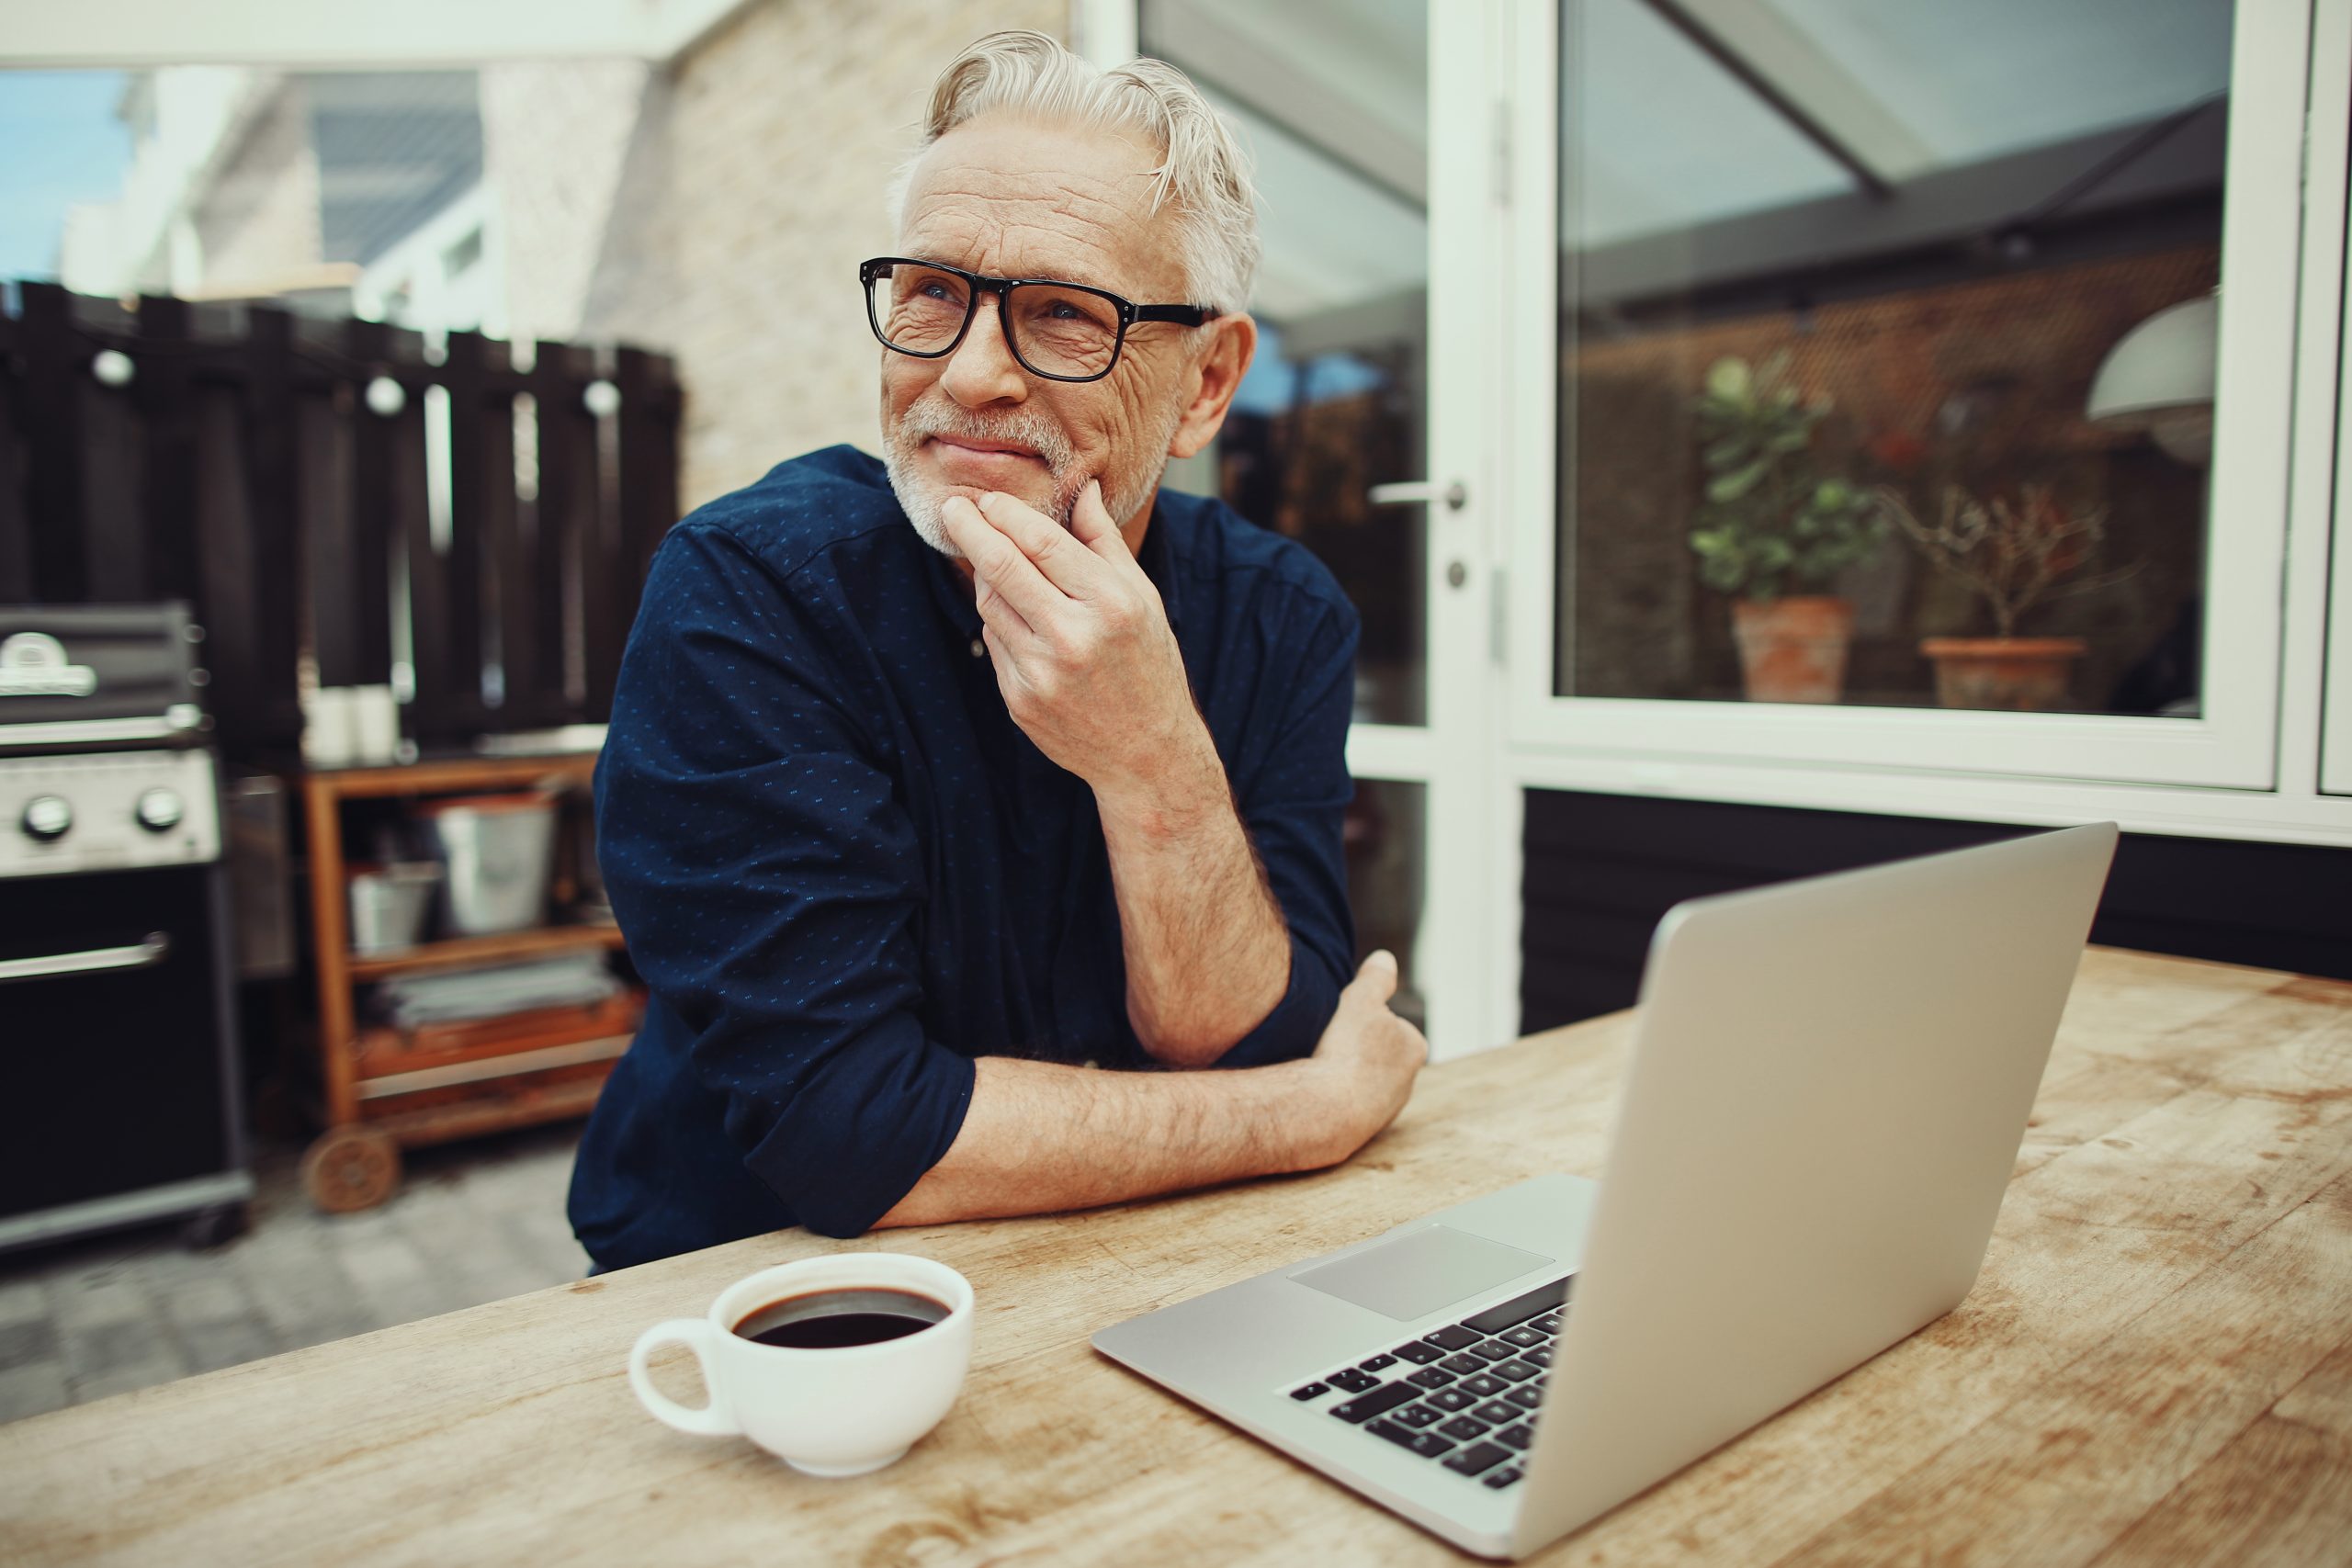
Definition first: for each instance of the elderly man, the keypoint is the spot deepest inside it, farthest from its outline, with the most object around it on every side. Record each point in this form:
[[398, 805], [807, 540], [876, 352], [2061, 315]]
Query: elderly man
[[959, 808]]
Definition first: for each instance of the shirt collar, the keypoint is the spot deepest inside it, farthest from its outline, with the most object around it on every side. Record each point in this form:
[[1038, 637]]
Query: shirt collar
[[1164, 551]]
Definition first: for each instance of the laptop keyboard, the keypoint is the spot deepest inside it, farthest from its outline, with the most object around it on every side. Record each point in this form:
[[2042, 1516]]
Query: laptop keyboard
[[1465, 1395]]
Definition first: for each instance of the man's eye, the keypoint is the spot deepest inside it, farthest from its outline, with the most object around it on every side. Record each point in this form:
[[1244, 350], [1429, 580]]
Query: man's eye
[[932, 290], [1063, 311]]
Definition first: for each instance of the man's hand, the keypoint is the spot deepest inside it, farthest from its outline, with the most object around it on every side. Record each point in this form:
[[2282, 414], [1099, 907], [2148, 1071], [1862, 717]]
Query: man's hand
[[1368, 1058], [1090, 671], [1082, 646], [1039, 1136]]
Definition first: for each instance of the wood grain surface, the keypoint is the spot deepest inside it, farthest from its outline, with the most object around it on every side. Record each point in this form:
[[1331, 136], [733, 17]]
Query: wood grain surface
[[2155, 1367]]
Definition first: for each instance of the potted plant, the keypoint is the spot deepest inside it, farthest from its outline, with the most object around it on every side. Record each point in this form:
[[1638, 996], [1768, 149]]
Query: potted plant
[[2013, 556], [1772, 524]]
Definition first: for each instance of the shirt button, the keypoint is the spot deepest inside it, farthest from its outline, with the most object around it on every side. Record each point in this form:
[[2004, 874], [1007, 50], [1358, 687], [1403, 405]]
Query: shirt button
[[979, 648]]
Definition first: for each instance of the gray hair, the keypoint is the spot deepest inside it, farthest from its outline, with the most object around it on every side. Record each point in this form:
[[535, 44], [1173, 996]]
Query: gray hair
[[1205, 173]]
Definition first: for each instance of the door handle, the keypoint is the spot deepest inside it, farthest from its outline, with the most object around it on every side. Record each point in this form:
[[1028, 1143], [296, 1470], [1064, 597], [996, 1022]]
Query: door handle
[[142, 955], [1406, 492]]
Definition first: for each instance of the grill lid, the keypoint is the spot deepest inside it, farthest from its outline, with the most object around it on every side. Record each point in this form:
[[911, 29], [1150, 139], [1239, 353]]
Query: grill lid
[[96, 673]]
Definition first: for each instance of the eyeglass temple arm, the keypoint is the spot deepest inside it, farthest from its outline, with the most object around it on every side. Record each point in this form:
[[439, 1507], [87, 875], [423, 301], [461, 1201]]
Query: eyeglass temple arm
[[1182, 315]]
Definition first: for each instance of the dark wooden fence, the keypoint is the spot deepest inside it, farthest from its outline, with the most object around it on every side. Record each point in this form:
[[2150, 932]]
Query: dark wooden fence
[[305, 487]]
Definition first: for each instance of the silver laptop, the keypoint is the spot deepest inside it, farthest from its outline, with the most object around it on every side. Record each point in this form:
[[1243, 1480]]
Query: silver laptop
[[1828, 1086]]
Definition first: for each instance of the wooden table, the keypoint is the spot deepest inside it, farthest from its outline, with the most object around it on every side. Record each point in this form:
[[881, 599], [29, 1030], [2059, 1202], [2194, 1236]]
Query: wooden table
[[2156, 1366]]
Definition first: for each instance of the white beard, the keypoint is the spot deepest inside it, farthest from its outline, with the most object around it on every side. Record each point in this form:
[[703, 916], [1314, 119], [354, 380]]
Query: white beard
[[920, 496]]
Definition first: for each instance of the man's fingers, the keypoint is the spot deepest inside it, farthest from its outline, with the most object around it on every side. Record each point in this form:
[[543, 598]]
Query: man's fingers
[[1375, 979], [1092, 524], [998, 562], [997, 614], [1049, 549]]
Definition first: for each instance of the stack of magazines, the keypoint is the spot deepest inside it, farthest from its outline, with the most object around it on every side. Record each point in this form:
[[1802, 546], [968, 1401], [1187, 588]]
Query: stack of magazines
[[410, 1002]]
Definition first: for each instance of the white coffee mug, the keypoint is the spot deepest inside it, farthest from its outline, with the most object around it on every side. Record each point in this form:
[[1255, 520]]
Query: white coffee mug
[[840, 1411], [330, 729], [375, 724]]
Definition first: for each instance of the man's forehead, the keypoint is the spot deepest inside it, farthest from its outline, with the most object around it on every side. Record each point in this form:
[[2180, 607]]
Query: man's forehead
[[1021, 198]]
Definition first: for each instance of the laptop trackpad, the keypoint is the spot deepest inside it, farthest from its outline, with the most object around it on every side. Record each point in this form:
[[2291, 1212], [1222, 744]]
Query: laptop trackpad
[[1415, 1275]]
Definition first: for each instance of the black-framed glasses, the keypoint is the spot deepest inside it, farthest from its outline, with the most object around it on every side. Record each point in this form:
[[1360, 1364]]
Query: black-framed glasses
[[1063, 331]]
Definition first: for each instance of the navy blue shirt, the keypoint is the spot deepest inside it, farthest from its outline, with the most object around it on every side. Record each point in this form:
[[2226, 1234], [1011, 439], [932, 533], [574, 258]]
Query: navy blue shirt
[[844, 873]]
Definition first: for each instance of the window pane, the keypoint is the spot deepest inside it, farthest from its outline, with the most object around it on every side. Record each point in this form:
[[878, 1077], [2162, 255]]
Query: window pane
[[1384, 833], [1331, 98], [1886, 349]]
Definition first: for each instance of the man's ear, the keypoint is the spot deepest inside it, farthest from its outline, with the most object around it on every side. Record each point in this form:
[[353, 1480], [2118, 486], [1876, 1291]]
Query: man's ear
[[1212, 379]]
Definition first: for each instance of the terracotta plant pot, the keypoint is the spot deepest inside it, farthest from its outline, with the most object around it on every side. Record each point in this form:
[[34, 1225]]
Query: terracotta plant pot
[[1793, 650], [2014, 675]]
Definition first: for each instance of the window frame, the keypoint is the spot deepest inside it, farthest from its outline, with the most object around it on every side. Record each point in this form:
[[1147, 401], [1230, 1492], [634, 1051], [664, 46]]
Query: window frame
[[2234, 745]]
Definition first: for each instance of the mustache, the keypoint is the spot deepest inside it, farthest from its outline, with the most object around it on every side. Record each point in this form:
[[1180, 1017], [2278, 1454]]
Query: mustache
[[1019, 426]]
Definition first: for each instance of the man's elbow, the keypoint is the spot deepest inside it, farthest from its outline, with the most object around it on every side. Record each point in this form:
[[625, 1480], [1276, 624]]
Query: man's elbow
[[1188, 1042]]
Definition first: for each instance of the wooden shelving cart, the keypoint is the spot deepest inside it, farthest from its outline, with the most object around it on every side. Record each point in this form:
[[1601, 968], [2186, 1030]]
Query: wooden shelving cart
[[381, 1090]]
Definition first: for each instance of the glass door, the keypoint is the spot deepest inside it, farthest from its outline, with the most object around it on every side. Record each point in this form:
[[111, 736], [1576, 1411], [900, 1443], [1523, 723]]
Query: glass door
[[1331, 440], [1909, 394]]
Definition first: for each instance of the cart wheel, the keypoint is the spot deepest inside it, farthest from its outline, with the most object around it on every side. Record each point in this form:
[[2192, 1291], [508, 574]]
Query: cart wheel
[[209, 1228], [350, 1168]]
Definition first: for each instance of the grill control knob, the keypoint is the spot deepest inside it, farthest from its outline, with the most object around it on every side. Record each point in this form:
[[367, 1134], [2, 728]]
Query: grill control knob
[[47, 818], [160, 810]]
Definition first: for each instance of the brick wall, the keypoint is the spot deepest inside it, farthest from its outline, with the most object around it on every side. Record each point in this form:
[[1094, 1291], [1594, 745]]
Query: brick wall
[[719, 209], [258, 218], [556, 138]]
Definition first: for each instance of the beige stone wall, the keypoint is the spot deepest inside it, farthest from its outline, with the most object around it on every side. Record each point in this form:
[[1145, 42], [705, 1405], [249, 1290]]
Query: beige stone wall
[[783, 129], [258, 219], [556, 137], [717, 210]]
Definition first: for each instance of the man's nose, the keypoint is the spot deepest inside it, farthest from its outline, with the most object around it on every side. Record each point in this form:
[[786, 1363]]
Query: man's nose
[[982, 369]]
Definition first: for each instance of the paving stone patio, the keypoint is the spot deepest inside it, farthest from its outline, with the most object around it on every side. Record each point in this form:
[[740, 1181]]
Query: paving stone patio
[[472, 1222]]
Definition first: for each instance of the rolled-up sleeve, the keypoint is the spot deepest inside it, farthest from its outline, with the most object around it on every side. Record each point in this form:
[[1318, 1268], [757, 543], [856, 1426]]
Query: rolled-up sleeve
[[768, 879], [1292, 804]]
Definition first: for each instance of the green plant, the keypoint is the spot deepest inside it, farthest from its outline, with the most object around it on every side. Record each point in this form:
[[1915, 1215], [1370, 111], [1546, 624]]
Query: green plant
[[1771, 517], [2012, 556]]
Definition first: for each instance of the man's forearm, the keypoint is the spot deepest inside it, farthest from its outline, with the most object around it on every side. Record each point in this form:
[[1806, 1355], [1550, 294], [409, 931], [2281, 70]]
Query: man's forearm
[[1207, 952], [1040, 1138]]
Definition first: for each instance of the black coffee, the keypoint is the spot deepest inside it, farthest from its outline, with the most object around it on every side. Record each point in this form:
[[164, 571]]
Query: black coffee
[[830, 1320]]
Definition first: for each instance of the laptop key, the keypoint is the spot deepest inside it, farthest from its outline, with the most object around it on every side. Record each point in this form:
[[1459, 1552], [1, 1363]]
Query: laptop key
[[1541, 1355], [1373, 1363], [1495, 1413], [1494, 1350], [1478, 1457], [1519, 1437], [1418, 1417], [1454, 1336], [1310, 1391], [1518, 1310], [1523, 1336], [1449, 1399], [1518, 1372], [1486, 1385], [1429, 1445], [1498, 1479], [1431, 1377], [1420, 1355], [1462, 1429], [1464, 1365], [1550, 1322], [1527, 1396], [1353, 1380], [1379, 1402]]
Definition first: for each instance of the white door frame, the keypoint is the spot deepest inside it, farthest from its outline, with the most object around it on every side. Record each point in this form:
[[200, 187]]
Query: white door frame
[[2318, 629], [1466, 955]]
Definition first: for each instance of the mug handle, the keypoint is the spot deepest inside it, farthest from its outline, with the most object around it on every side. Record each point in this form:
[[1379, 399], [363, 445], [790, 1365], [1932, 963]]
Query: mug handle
[[713, 1420]]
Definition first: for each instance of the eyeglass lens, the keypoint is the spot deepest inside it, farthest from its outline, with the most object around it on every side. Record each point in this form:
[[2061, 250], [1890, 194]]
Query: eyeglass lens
[[1053, 330]]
